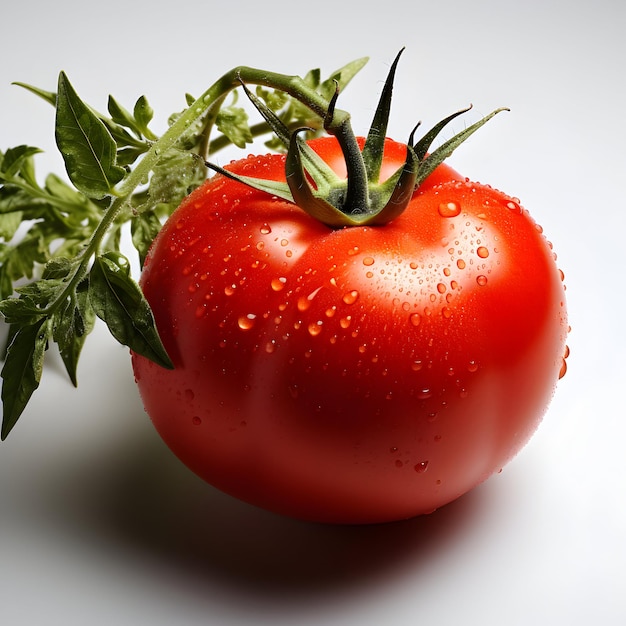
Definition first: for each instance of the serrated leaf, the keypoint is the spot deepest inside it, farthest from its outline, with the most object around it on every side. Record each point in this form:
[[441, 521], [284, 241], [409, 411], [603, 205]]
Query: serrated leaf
[[71, 326], [232, 121], [9, 224], [14, 159], [144, 228], [118, 301], [87, 147], [22, 371], [177, 174]]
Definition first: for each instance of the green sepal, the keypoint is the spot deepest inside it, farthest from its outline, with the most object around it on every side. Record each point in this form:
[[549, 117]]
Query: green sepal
[[428, 163]]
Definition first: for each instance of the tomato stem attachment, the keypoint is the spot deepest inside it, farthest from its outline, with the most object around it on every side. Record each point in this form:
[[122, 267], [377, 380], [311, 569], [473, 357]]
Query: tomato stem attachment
[[360, 198]]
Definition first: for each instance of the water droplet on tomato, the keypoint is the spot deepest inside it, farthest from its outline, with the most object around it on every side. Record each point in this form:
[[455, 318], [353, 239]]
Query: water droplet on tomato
[[416, 366], [278, 284], [398, 463], [346, 321], [441, 288], [353, 251], [415, 319], [449, 209], [266, 229], [229, 290], [481, 280], [196, 421], [315, 328], [482, 252], [424, 394], [350, 297], [246, 322], [421, 467], [368, 260], [460, 264], [472, 366], [514, 206]]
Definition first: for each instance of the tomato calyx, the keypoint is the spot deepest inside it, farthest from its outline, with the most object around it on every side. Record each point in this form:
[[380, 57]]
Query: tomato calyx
[[360, 198]]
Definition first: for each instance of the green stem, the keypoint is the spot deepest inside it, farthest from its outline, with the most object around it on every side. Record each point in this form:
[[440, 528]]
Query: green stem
[[208, 105]]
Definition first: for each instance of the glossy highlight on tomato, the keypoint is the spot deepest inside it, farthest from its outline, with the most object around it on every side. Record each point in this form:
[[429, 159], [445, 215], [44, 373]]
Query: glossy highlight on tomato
[[355, 375]]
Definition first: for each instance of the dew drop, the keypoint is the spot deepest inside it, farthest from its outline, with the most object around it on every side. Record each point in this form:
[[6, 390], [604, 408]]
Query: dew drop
[[441, 288], [246, 322], [421, 467], [270, 346], [472, 366], [315, 328], [345, 322], [368, 260], [416, 366], [278, 284], [449, 209], [350, 297], [196, 421], [460, 264], [229, 290], [415, 319], [424, 394], [266, 229], [481, 280], [482, 252], [514, 206]]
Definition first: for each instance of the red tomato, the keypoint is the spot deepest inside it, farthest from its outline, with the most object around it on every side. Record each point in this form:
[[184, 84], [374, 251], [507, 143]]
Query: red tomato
[[358, 375]]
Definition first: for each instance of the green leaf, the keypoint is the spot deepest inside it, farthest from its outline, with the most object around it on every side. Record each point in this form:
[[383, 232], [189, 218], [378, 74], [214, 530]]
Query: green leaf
[[14, 159], [144, 228], [144, 113], [22, 370], [341, 77], [232, 121], [177, 174], [71, 326], [9, 224], [87, 147], [118, 301], [48, 96]]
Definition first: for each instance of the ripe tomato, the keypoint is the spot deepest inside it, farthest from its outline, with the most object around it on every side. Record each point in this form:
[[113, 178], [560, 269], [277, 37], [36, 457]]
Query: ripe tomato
[[355, 375]]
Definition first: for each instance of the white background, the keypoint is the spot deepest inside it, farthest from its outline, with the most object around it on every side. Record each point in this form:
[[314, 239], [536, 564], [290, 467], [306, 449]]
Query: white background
[[99, 524]]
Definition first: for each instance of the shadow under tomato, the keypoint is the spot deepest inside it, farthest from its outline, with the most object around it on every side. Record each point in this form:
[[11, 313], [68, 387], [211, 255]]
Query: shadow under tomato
[[152, 503]]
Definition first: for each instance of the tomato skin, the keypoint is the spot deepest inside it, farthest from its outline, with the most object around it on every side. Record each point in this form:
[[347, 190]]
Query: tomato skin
[[359, 375]]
